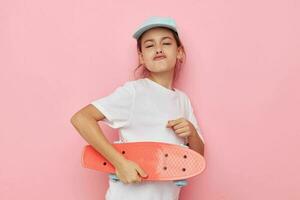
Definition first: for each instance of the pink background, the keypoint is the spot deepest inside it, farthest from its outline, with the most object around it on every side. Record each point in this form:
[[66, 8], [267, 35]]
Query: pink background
[[242, 75]]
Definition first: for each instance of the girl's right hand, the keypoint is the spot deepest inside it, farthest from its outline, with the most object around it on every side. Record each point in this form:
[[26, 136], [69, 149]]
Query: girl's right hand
[[130, 172]]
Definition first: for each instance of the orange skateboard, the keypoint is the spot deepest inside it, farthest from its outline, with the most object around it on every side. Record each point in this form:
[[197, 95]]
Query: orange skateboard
[[161, 161]]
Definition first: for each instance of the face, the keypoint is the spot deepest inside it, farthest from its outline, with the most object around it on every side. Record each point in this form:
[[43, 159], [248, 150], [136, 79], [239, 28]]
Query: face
[[159, 42]]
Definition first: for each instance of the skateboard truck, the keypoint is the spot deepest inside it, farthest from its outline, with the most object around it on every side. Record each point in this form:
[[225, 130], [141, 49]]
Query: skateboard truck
[[113, 177], [179, 183]]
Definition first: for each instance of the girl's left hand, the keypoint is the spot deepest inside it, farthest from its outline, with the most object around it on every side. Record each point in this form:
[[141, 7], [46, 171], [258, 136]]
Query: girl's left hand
[[182, 127]]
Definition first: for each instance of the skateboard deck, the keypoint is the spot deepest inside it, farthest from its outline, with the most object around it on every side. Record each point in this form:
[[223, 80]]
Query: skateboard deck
[[161, 161]]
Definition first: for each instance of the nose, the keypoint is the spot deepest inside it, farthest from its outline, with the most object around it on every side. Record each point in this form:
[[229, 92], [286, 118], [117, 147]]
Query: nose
[[158, 51]]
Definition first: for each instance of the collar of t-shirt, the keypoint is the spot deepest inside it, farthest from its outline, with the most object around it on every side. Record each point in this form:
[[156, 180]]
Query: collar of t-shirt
[[161, 88]]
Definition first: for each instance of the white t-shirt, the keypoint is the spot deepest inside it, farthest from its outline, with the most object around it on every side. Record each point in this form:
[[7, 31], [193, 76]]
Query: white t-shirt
[[140, 110]]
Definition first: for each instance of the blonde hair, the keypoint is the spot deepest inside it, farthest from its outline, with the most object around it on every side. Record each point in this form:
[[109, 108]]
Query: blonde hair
[[145, 72]]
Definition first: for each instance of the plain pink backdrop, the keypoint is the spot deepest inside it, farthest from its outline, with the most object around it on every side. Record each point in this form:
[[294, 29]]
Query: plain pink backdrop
[[242, 75]]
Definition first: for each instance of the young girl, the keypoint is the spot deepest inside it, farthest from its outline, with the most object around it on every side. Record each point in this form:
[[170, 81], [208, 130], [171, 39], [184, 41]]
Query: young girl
[[146, 109]]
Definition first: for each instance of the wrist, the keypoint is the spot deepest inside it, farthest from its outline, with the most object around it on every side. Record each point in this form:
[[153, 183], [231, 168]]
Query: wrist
[[120, 161], [193, 134]]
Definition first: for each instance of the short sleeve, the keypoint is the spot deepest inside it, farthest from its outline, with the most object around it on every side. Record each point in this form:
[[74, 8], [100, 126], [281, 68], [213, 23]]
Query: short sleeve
[[117, 106], [192, 118]]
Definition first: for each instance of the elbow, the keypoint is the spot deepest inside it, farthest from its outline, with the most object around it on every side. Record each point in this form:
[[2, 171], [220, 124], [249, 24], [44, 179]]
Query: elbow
[[78, 117], [72, 120], [75, 119]]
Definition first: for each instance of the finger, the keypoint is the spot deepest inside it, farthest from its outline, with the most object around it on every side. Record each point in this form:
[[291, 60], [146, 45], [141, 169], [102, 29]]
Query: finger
[[173, 122], [141, 172], [180, 125], [181, 130], [133, 181], [169, 124], [185, 134], [138, 180]]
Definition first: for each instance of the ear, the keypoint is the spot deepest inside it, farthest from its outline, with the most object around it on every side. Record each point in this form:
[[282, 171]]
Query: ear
[[180, 53], [141, 59]]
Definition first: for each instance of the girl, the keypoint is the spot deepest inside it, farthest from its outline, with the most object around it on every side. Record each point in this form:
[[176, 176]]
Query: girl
[[146, 109]]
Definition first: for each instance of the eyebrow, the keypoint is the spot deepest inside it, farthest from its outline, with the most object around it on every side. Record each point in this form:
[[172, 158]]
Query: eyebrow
[[161, 39]]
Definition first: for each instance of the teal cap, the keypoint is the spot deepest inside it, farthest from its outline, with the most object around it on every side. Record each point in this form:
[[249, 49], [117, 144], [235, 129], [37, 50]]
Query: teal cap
[[155, 21]]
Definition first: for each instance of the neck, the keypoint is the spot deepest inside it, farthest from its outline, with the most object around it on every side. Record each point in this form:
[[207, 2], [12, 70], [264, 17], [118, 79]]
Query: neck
[[164, 79]]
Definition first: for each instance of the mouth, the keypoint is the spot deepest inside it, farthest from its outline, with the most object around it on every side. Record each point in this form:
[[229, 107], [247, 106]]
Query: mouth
[[159, 57]]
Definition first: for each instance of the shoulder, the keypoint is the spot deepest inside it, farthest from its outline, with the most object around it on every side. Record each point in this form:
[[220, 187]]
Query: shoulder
[[133, 86], [132, 83], [185, 98], [129, 85], [183, 95], [124, 89]]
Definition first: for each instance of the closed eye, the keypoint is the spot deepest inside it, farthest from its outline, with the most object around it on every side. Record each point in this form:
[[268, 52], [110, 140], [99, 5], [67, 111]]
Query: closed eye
[[163, 43]]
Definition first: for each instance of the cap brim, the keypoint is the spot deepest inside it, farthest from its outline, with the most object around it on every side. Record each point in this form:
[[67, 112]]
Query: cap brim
[[140, 31]]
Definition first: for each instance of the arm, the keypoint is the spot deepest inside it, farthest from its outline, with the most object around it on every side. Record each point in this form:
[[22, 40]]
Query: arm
[[185, 129], [195, 142], [85, 122]]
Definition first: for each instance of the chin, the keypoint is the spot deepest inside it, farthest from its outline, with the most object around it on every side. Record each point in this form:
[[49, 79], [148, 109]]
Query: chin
[[161, 67], [160, 70]]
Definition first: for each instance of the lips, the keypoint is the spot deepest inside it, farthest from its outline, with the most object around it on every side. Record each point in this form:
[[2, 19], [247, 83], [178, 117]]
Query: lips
[[159, 57]]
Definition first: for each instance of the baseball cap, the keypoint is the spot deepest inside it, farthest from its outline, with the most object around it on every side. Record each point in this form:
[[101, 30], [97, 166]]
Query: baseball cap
[[155, 21]]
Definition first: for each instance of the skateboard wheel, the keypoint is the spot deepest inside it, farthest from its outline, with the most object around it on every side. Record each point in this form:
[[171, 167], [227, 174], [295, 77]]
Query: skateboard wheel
[[181, 183]]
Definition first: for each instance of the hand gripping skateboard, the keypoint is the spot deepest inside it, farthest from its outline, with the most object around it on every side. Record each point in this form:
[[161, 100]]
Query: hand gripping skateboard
[[161, 161]]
